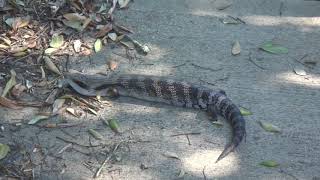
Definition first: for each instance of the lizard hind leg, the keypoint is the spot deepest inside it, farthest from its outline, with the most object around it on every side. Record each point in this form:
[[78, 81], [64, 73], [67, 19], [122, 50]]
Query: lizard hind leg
[[212, 113]]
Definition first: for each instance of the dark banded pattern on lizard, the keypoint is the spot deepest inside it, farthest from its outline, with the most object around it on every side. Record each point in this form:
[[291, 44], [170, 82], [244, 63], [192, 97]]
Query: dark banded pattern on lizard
[[177, 93]]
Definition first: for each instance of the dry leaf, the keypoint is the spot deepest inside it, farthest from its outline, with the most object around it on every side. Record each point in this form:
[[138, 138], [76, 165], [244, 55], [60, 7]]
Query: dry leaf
[[95, 134], [123, 3], [19, 54], [92, 111], [74, 17], [74, 112], [269, 127], [236, 49], [299, 71], [32, 44], [73, 24], [77, 45], [37, 119], [222, 4], [171, 155], [9, 103], [20, 22], [112, 36], [104, 30], [86, 52], [6, 40], [2, 46], [50, 50], [57, 105], [18, 49], [10, 83], [181, 173], [51, 66]]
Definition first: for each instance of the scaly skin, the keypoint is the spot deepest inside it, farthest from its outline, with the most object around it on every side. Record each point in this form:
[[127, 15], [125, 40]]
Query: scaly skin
[[156, 89]]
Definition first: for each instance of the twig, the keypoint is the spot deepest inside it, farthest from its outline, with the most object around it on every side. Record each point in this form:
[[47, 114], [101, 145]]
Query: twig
[[203, 173], [281, 9], [114, 2], [179, 65], [250, 59], [188, 140], [97, 174], [210, 83], [68, 141], [64, 148], [237, 19], [206, 68], [299, 60], [185, 134]]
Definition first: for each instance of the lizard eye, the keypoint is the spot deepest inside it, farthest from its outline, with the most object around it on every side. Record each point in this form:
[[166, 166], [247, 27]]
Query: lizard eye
[[113, 92]]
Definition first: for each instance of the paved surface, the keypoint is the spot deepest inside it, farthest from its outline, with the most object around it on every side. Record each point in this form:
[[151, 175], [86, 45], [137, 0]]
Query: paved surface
[[189, 33]]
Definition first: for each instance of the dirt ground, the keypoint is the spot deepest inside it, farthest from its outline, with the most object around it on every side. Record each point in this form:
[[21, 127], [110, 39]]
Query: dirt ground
[[188, 41]]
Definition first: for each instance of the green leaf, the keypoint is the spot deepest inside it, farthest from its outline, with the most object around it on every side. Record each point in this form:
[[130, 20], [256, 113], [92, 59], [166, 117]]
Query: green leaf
[[97, 45], [273, 48], [4, 150], [269, 163], [37, 119], [95, 134], [113, 124], [245, 112], [50, 50], [57, 41], [269, 127], [10, 83]]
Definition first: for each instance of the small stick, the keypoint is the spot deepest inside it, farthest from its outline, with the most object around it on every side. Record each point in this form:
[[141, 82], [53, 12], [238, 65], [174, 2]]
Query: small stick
[[68, 141], [179, 65], [188, 140], [97, 174], [205, 68], [281, 9], [250, 59], [185, 134], [204, 174]]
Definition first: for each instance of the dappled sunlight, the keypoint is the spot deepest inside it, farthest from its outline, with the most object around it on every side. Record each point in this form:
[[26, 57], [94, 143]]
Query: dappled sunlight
[[313, 81], [150, 64], [199, 12], [205, 158], [259, 20]]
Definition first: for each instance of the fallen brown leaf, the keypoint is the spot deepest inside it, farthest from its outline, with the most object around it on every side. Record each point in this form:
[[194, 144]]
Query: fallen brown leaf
[[9, 103], [104, 30]]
